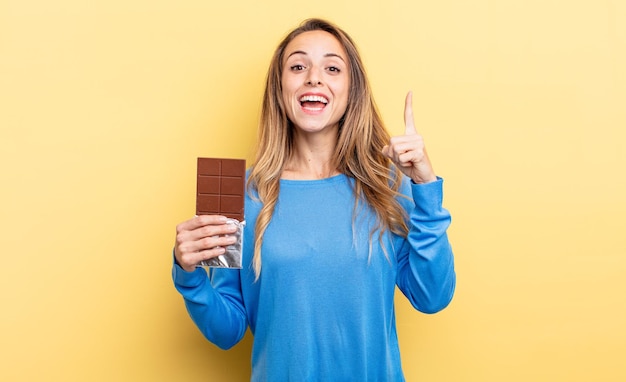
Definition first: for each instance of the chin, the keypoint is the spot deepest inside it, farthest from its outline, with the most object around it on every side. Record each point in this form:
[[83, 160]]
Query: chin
[[315, 126]]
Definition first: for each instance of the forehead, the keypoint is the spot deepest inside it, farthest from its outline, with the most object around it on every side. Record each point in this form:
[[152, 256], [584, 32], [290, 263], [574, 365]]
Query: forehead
[[315, 43]]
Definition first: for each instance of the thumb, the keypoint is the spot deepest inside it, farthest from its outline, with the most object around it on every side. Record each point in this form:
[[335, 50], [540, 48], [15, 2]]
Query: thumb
[[385, 150]]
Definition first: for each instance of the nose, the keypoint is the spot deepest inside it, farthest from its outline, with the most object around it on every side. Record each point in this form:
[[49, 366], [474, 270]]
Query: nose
[[313, 78]]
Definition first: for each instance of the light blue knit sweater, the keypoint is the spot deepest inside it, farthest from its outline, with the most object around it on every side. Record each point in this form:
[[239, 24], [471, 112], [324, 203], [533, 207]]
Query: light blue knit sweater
[[323, 308]]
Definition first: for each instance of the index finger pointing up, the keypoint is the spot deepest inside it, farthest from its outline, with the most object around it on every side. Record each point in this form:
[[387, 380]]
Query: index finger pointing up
[[409, 123]]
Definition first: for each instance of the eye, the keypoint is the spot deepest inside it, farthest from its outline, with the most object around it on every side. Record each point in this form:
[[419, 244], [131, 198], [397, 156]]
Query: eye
[[297, 67], [333, 69]]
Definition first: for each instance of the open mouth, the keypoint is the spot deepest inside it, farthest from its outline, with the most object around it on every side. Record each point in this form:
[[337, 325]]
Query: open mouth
[[313, 102]]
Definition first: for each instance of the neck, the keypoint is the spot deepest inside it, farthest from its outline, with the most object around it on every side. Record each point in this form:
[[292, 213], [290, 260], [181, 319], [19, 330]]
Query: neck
[[312, 158]]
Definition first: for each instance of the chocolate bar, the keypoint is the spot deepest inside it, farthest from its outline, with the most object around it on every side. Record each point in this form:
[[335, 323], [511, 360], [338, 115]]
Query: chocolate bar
[[220, 187]]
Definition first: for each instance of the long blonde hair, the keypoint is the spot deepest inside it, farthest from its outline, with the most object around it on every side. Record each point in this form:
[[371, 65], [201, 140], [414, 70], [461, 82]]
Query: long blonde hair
[[361, 137]]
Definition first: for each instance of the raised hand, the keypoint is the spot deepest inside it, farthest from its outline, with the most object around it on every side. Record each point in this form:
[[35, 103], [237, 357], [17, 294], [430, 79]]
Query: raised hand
[[408, 152], [201, 238]]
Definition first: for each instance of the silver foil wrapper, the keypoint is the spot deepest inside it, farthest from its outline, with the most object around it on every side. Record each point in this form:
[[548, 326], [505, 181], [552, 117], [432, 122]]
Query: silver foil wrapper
[[232, 257]]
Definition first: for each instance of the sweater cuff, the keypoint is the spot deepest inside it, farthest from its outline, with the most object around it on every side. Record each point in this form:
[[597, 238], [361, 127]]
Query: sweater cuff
[[428, 197]]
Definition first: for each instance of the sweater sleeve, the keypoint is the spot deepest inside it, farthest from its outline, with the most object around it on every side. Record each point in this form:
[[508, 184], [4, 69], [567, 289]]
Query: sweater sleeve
[[426, 273], [217, 310]]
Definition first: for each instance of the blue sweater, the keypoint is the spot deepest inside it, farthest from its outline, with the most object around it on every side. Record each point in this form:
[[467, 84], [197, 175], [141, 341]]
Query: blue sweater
[[323, 308]]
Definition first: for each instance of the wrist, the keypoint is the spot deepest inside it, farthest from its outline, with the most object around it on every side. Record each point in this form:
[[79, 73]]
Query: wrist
[[424, 179]]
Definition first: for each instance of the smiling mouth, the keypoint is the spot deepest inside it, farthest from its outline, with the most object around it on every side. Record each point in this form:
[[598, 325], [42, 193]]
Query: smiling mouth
[[313, 102]]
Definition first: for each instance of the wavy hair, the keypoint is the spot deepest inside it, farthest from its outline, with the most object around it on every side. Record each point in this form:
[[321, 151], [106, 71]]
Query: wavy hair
[[357, 154]]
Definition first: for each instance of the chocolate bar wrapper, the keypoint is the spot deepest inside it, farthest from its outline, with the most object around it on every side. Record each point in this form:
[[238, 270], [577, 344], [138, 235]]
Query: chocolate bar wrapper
[[232, 257]]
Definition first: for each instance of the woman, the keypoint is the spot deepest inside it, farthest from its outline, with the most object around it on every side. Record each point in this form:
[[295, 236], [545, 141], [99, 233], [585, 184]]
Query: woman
[[337, 214]]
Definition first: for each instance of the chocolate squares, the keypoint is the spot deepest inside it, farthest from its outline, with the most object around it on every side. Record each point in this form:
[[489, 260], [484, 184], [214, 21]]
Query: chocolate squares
[[220, 187]]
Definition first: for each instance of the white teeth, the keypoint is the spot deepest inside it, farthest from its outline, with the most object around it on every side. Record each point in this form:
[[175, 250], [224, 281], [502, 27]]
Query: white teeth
[[312, 98]]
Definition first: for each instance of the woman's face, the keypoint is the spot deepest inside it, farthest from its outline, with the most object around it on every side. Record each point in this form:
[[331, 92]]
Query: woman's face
[[315, 81]]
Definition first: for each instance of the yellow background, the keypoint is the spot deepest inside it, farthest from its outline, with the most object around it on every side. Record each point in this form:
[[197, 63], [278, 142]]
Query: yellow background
[[104, 107]]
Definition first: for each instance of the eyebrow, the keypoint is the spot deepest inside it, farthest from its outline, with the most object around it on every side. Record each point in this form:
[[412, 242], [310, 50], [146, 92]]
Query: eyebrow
[[326, 55]]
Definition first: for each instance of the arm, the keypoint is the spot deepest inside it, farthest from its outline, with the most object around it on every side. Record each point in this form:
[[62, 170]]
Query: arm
[[425, 261], [218, 309], [426, 273]]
